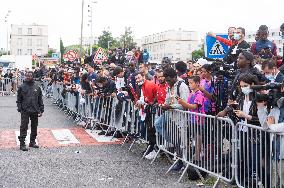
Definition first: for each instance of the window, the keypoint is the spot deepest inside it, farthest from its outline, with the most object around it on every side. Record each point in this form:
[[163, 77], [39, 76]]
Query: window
[[39, 31], [39, 52], [19, 52], [39, 42], [30, 52], [29, 42], [280, 50], [20, 42], [30, 31], [189, 47], [20, 31], [178, 46]]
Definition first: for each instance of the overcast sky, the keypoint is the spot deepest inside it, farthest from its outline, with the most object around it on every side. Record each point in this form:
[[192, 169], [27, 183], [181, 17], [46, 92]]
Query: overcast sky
[[63, 17]]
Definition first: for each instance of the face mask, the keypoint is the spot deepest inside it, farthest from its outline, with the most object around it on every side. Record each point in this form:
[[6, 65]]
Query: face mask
[[246, 90], [270, 77], [140, 83], [237, 36]]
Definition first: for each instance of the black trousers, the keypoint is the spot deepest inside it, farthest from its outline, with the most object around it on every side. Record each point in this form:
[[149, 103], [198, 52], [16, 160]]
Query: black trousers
[[25, 117]]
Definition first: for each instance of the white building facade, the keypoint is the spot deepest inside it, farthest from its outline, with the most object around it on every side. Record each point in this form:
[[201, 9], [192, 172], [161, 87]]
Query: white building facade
[[29, 40], [274, 36], [177, 45]]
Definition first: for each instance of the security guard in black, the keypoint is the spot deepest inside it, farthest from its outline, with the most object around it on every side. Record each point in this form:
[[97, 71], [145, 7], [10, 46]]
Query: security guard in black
[[30, 105]]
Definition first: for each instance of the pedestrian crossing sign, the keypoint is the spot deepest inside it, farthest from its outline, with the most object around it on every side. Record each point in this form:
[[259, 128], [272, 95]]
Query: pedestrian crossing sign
[[214, 48], [100, 56]]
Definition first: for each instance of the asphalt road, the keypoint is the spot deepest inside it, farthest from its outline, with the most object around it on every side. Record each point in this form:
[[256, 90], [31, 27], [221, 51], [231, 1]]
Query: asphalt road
[[84, 166]]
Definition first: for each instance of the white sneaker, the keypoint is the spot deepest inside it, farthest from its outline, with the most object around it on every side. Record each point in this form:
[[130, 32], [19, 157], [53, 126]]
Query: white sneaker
[[82, 123], [151, 155]]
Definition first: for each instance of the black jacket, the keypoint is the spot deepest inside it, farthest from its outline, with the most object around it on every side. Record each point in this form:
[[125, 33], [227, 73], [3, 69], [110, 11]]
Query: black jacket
[[29, 98], [252, 110], [108, 89], [233, 90], [234, 51]]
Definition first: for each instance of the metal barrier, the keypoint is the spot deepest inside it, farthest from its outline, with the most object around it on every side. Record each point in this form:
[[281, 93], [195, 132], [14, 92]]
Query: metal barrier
[[198, 140], [5, 86], [260, 157], [10, 86], [245, 153]]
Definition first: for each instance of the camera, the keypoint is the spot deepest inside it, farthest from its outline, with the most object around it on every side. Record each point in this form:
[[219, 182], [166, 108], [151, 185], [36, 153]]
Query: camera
[[222, 69], [273, 95], [235, 106], [268, 86]]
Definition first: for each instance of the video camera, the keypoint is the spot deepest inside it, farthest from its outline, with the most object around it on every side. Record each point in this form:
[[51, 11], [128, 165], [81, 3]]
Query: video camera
[[220, 68], [273, 95]]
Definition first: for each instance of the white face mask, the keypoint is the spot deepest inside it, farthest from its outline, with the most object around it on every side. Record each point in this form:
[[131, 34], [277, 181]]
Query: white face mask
[[270, 77], [237, 36], [246, 90], [140, 83]]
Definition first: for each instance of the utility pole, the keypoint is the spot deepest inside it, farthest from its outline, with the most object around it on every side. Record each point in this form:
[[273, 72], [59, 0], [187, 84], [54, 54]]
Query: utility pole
[[108, 42], [82, 22]]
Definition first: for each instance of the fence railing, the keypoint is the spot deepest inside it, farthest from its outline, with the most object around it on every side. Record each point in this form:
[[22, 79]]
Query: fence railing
[[248, 154], [9, 86]]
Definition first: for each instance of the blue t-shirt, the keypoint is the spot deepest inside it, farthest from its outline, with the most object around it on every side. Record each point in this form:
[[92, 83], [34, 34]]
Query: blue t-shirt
[[92, 76]]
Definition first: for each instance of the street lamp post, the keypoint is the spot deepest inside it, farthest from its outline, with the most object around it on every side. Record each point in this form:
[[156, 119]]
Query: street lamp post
[[6, 21], [91, 25]]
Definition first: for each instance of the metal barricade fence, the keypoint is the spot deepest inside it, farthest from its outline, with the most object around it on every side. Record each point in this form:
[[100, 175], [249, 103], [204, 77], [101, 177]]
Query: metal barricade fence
[[248, 154], [201, 141], [45, 87], [260, 157], [5, 86]]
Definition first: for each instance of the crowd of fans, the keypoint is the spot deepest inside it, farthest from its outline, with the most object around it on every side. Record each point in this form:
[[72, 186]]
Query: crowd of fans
[[188, 86]]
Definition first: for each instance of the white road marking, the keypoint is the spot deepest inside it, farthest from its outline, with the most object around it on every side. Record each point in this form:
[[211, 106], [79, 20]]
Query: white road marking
[[100, 138], [64, 136]]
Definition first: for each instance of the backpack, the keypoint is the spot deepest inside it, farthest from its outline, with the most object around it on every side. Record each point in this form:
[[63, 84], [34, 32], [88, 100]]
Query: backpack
[[178, 86], [185, 78]]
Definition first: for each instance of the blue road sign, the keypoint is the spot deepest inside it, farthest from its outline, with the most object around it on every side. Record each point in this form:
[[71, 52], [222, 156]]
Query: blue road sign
[[55, 55], [214, 48]]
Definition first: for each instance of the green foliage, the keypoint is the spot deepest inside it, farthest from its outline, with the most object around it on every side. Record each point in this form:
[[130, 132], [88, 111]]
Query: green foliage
[[62, 50], [198, 53], [127, 39], [50, 51], [106, 39]]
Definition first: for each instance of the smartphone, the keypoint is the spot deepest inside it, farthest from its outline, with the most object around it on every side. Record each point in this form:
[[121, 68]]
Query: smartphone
[[235, 106]]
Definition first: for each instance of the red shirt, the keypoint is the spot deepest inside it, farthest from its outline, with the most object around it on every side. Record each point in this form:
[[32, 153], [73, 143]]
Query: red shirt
[[161, 93], [225, 41], [149, 90]]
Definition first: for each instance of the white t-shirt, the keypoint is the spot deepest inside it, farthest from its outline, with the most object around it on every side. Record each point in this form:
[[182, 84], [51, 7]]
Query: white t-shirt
[[119, 83]]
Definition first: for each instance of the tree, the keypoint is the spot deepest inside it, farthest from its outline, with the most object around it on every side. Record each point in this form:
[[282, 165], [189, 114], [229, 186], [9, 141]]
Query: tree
[[62, 50], [127, 39], [106, 39], [198, 53], [49, 53]]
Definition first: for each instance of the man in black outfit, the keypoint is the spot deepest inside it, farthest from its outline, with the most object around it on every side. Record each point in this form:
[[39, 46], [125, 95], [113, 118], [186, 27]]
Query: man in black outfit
[[30, 105], [234, 51]]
